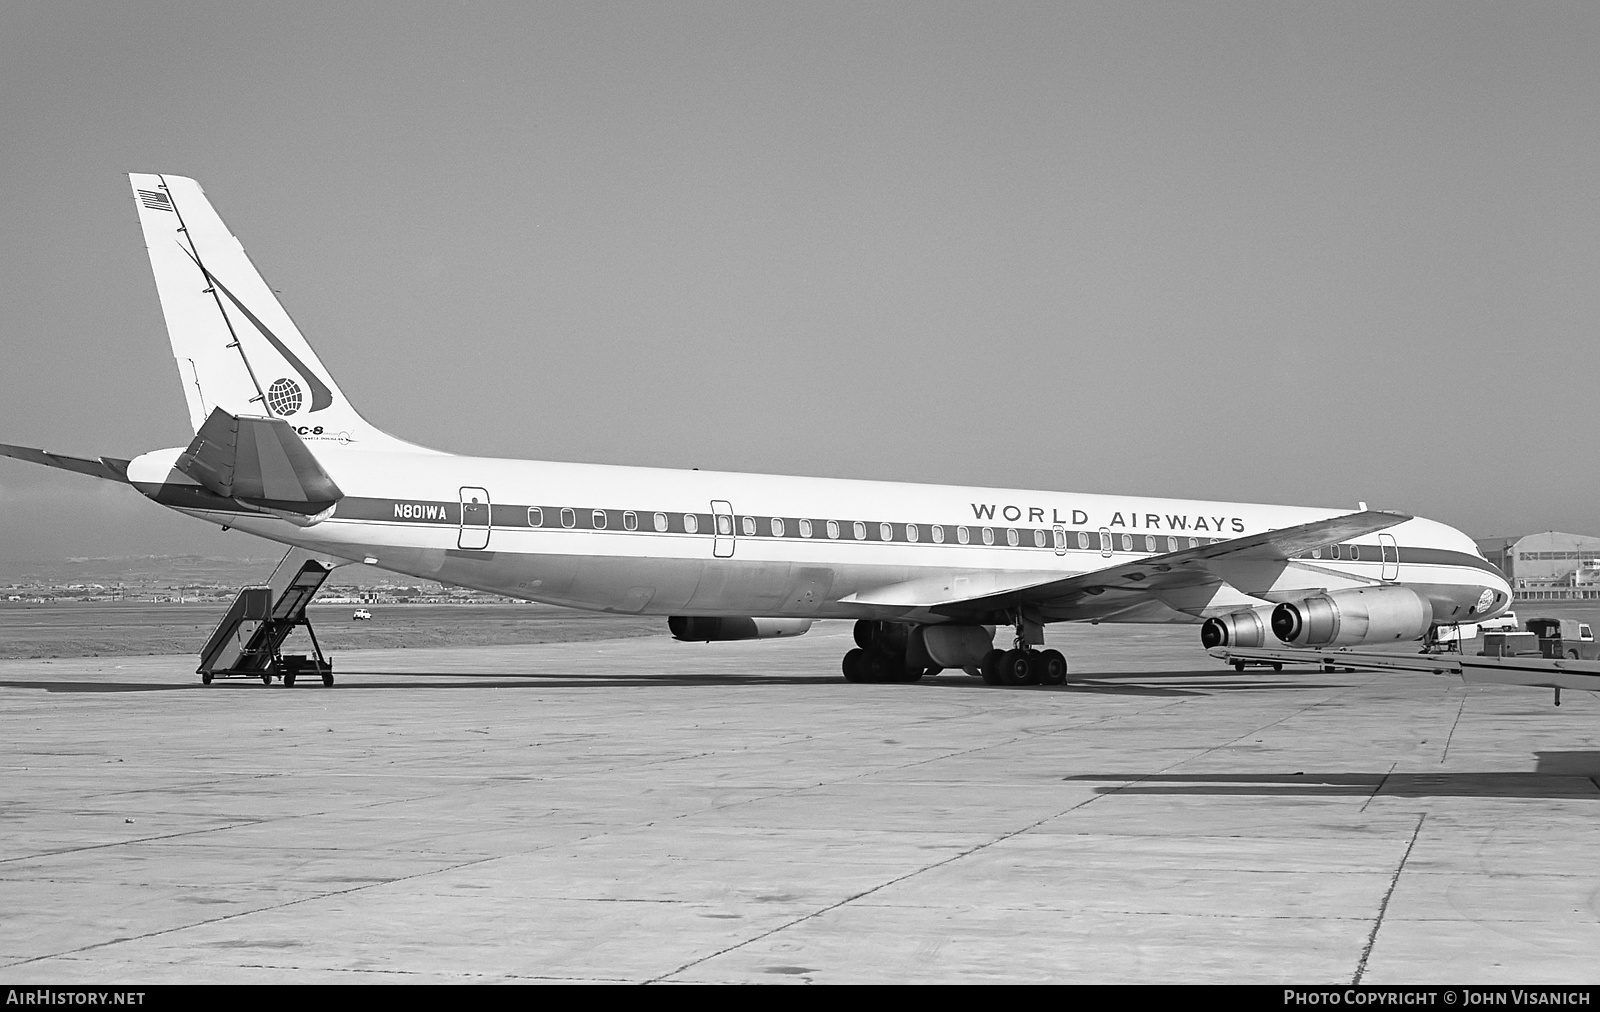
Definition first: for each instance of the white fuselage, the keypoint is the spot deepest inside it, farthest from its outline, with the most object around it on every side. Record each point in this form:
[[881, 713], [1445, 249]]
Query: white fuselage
[[656, 541]]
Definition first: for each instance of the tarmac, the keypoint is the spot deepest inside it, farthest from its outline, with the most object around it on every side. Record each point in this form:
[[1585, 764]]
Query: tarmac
[[649, 811]]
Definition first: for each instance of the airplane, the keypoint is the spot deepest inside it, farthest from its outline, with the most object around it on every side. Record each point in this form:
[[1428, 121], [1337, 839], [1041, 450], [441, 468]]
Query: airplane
[[926, 571]]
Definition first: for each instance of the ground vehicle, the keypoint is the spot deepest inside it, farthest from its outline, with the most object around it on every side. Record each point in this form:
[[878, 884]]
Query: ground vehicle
[[361, 615], [1564, 638]]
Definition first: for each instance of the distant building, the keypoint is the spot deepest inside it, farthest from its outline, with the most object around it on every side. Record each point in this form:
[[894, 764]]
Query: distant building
[[1547, 567]]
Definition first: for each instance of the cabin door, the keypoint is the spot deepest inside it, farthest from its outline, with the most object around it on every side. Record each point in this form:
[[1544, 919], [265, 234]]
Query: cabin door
[[1391, 557], [474, 518], [721, 529]]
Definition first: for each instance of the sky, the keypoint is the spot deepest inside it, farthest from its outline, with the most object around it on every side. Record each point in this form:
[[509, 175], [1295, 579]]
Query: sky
[[1311, 254]]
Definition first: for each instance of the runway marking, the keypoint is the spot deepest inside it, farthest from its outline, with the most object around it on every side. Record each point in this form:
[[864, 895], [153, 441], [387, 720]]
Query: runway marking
[[1383, 908], [1451, 737]]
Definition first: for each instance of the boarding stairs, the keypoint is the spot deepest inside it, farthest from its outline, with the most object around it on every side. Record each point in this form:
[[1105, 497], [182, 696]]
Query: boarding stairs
[[248, 642]]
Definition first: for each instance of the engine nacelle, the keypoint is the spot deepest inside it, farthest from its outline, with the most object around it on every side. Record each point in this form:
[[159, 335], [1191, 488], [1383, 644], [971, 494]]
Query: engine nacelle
[[1343, 618], [1239, 629], [705, 630]]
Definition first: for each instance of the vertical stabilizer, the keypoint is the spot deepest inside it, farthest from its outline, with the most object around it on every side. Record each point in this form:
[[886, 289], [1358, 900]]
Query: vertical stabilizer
[[235, 345]]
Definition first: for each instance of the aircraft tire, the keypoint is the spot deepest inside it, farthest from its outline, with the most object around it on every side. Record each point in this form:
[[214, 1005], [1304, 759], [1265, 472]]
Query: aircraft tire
[[266, 679], [882, 668], [864, 633], [990, 667], [1052, 668], [327, 680], [205, 679], [288, 680], [855, 666], [1017, 668]]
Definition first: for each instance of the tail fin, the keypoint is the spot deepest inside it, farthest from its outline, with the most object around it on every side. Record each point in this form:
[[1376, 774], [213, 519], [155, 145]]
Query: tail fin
[[236, 347]]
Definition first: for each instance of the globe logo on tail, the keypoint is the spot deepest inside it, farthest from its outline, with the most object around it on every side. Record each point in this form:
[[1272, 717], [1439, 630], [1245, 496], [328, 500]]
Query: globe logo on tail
[[284, 396]]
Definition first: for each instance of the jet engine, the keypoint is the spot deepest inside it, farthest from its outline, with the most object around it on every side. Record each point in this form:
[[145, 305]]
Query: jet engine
[[1342, 618], [1239, 629], [704, 630]]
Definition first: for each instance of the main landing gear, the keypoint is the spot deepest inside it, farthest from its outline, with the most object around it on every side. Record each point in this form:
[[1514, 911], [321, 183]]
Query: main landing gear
[[880, 655], [894, 652], [1024, 666]]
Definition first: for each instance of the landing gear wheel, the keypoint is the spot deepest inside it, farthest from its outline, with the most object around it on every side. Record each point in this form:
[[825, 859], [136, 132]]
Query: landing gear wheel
[[205, 679], [1017, 668], [882, 669], [327, 679], [1238, 666], [911, 675], [266, 679], [1277, 666], [864, 630], [1052, 668], [288, 680], [855, 666], [990, 667]]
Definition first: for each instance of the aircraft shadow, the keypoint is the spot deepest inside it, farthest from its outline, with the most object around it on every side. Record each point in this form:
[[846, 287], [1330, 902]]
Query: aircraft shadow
[[1567, 775], [1194, 683]]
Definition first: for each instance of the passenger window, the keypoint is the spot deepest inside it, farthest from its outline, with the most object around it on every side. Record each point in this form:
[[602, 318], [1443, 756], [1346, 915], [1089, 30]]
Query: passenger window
[[859, 529], [1105, 541], [630, 521], [1083, 539], [988, 535], [963, 535], [938, 534], [599, 518], [535, 516], [777, 527], [1038, 539], [1172, 544], [886, 532], [805, 528], [1011, 536], [1149, 542], [1194, 542], [1127, 542], [1333, 552], [749, 526], [568, 518], [1355, 553], [912, 533], [724, 524], [833, 528], [691, 523], [661, 521]]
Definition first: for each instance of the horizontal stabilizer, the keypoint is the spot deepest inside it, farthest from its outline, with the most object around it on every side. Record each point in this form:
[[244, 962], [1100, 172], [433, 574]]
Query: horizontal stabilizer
[[260, 461], [109, 468]]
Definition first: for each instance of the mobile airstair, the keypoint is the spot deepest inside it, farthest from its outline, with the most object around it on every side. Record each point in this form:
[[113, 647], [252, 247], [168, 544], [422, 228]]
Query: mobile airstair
[[248, 642]]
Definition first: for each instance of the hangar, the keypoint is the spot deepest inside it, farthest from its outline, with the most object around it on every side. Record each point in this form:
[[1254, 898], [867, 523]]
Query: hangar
[[1551, 566]]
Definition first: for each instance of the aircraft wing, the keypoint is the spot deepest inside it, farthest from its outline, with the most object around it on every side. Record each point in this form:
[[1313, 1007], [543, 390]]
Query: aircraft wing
[[109, 468], [1141, 583]]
